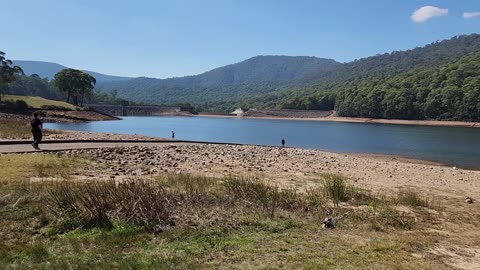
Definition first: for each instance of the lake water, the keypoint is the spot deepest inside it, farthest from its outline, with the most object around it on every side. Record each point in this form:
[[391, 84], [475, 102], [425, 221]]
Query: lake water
[[450, 145]]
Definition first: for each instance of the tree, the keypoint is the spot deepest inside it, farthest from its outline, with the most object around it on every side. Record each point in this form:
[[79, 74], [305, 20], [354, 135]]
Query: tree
[[7, 73], [75, 84]]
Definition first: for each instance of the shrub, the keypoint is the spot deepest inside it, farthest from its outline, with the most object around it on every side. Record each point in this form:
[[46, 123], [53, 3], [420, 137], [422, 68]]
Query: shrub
[[54, 107], [411, 198], [18, 106], [172, 200], [335, 187], [95, 204]]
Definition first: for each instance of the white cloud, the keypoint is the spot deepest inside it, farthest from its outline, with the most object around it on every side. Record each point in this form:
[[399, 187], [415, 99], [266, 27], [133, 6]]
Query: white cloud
[[469, 15], [427, 12]]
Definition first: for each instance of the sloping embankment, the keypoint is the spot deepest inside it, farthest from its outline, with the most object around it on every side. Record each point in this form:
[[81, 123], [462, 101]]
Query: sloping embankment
[[287, 113]]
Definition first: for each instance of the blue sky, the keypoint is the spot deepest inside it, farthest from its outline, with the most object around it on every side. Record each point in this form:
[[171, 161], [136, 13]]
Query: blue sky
[[184, 37]]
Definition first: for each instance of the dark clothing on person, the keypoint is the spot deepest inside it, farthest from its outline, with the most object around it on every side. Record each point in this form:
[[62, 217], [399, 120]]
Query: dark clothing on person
[[36, 132], [36, 125], [283, 142], [37, 138]]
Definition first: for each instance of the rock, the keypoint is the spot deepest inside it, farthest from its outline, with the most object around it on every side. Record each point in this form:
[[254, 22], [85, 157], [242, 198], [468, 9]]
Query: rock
[[469, 200], [328, 223]]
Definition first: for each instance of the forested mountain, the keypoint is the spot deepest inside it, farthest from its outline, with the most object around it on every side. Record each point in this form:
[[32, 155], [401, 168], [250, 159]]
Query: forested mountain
[[446, 92], [48, 70], [253, 76], [438, 81], [288, 82], [389, 64]]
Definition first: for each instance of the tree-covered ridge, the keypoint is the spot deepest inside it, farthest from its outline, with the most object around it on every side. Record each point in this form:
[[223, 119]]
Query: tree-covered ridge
[[447, 92], [438, 81], [223, 88], [450, 92], [48, 70], [390, 64], [281, 81]]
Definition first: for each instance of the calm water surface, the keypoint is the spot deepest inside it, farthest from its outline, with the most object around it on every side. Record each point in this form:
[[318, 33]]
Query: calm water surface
[[454, 146]]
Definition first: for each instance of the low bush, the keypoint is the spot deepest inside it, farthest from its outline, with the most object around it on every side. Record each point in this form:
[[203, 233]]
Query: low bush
[[187, 201], [17, 106], [411, 198], [335, 187]]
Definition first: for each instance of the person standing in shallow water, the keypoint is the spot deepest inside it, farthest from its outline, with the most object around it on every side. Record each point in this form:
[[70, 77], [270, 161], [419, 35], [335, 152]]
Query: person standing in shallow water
[[283, 142], [173, 135], [37, 127]]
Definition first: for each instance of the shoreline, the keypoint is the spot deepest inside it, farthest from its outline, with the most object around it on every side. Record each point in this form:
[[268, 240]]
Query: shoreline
[[78, 136], [436, 123]]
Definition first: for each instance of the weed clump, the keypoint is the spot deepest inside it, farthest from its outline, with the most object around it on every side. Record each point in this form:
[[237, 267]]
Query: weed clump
[[189, 201], [335, 188], [411, 198]]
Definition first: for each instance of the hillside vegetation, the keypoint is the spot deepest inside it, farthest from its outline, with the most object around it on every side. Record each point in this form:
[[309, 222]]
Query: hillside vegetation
[[446, 92], [42, 103], [48, 70], [437, 81], [270, 82]]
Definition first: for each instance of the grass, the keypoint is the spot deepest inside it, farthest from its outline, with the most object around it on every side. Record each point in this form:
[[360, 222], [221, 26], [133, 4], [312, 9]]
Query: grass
[[189, 222], [335, 187], [13, 128], [39, 102], [18, 167], [411, 198]]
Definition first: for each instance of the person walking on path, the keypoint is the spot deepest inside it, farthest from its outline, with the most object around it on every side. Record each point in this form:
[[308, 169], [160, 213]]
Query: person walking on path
[[37, 127], [283, 142], [173, 135]]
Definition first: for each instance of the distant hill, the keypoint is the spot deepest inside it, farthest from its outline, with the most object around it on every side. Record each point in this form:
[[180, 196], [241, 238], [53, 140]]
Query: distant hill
[[285, 81], [48, 70], [255, 75], [299, 82], [390, 64]]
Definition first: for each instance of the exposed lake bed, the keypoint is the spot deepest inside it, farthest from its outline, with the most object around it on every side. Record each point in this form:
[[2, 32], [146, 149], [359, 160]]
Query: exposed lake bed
[[454, 146]]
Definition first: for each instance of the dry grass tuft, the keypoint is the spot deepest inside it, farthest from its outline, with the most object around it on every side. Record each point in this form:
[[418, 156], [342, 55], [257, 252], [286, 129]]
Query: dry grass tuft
[[411, 198], [14, 128], [189, 201], [335, 187]]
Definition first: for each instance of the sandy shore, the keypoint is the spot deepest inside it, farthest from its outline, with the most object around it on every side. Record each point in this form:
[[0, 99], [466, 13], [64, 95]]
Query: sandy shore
[[283, 166], [364, 120]]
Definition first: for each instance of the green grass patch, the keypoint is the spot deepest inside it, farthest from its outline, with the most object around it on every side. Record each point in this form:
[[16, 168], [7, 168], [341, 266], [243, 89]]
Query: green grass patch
[[188, 222], [24, 166], [39, 102]]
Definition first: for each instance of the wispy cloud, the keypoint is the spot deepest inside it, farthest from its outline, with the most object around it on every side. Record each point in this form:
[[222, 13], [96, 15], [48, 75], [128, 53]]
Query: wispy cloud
[[425, 13], [469, 15]]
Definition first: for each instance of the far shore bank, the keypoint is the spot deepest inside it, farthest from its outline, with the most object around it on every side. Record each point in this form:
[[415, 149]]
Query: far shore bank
[[360, 120]]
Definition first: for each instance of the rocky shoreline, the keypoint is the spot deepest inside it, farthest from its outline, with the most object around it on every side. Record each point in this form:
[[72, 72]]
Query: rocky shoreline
[[301, 168]]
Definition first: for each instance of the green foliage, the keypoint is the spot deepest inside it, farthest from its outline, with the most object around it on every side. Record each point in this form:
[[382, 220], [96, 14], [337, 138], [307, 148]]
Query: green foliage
[[7, 72], [33, 86], [17, 106], [335, 187], [447, 92], [379, 86], [438, 81], [76, 84], [225, 88]]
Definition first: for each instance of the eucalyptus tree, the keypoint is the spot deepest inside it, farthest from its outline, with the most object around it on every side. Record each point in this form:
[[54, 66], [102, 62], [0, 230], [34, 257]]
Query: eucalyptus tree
[[75, 84], [8, 71]]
